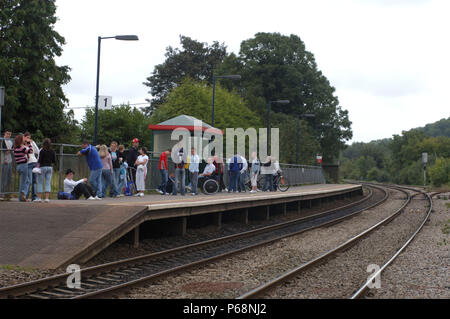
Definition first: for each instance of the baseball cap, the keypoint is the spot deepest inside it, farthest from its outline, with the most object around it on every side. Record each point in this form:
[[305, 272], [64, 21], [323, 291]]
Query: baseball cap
[[135, 140]]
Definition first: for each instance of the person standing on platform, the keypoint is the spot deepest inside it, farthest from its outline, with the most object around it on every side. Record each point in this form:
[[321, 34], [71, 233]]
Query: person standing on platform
[[193, 171], [78, 188], [164, 170], [255, 168], [267, 171], [235, 166], [132, 155], [32, 163], [117, 159], [47, 158], [6, 158], [141, 172], [242, 174], [21, 153], [95, 165], [123, 172], [180, 173], [107, 171]]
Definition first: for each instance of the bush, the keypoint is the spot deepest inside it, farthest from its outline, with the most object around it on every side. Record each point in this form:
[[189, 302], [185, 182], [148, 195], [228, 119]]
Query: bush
[[440, 172]]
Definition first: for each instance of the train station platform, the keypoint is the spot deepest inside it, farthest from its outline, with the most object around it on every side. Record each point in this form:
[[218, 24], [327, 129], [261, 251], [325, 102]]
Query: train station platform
[[55, 234]]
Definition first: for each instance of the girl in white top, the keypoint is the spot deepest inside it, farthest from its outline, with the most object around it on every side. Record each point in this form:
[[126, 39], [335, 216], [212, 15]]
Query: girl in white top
[[141, 172]]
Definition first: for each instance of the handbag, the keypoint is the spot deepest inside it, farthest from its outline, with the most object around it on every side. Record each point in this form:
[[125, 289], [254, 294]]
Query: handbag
[[36, 170]]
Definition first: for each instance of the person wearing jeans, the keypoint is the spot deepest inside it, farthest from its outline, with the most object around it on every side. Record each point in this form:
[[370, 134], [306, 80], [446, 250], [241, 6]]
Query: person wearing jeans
[[32, 163], [6, 158], [95, 165], [47, 158], [107, 171], [163, 169], [21, 153]]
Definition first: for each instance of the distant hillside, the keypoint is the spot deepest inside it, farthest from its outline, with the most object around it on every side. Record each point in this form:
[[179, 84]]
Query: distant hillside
[[399, 159], [439, 128]]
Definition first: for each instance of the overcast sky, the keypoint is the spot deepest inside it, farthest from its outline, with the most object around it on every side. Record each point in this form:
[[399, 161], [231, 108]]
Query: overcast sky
[[387, 59]]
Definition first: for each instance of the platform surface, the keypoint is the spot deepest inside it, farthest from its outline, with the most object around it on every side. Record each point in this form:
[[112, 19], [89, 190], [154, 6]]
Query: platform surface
[[48, 235]]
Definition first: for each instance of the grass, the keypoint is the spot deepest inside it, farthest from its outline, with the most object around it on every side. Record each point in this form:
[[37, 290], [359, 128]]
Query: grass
[[17, 268]]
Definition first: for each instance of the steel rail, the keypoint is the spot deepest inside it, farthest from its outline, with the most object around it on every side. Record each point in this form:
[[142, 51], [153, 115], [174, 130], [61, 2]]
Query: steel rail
[[364, 288], [258, 291]]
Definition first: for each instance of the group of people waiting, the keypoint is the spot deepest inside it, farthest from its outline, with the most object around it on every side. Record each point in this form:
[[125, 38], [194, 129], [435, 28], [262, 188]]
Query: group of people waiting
[[237, 166], [33, 164], [109, 168]]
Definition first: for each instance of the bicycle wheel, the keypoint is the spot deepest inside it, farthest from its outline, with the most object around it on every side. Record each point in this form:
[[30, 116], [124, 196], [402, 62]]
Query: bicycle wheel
[[283, 184]]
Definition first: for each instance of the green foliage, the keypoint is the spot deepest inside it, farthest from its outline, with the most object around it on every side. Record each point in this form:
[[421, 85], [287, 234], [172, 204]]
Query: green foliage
[[28, 47], [399, 159], [440, 172], [195, 99], [439, 128], [121, 124], [196, 60], [275, 67]]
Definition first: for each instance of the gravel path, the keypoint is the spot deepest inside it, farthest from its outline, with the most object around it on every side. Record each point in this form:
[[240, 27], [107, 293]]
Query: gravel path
[[234, 276]]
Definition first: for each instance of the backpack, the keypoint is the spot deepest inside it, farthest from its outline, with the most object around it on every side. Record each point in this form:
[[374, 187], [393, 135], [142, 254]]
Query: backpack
[[129, 189]]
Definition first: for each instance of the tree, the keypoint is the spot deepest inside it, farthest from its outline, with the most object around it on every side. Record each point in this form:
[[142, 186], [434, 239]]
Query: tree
[[121, 124], [28, 45], [195, 99], [274, 67], [196, 60]]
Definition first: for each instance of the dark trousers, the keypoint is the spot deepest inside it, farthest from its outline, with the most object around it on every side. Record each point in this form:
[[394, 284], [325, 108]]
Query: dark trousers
[[234, 175], [83, 189]]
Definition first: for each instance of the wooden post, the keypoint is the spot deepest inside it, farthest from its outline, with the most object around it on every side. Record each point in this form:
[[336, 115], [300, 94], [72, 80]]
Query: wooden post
[[136, 237]]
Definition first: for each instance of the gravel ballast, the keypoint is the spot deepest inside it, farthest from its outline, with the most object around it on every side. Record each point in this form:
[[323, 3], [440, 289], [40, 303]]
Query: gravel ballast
[[241, 273]]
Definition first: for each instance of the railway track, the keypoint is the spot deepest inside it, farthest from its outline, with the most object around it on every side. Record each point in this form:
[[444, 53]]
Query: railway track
[[108, 278], [276, 282]]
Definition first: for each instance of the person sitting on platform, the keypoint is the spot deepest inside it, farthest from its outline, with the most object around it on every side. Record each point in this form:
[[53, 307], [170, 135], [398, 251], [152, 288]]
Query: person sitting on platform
[[208, 171], [78, 188]]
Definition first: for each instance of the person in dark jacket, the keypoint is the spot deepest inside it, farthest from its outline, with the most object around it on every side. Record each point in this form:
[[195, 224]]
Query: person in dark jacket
[[234, 167], [267, 170], [132, 155], [47, 158], [117, 160]]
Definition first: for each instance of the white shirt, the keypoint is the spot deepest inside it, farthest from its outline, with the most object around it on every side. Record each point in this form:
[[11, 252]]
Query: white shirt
[[209, 169], [193, 164], [244, 164], [141, 159], [69, 185], [9, 144], [32, 158]]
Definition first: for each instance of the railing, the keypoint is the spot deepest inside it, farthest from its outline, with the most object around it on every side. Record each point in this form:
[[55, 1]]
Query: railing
[[66, 158]]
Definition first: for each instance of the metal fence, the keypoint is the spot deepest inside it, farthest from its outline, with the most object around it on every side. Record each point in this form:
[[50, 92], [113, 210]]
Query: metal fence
[[66, 157]]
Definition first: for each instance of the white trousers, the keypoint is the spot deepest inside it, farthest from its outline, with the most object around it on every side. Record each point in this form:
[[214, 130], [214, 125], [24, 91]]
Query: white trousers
[[140, 179]]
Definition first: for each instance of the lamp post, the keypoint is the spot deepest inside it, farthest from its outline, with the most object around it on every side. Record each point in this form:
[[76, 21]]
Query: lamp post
[[117, 37], [297, 144], [268, 117], [231, 76]]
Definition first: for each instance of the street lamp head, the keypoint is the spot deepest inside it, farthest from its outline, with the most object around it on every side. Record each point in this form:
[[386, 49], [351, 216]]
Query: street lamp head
[[307, 115], [281, 101], [127, 37], [231, 76]]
